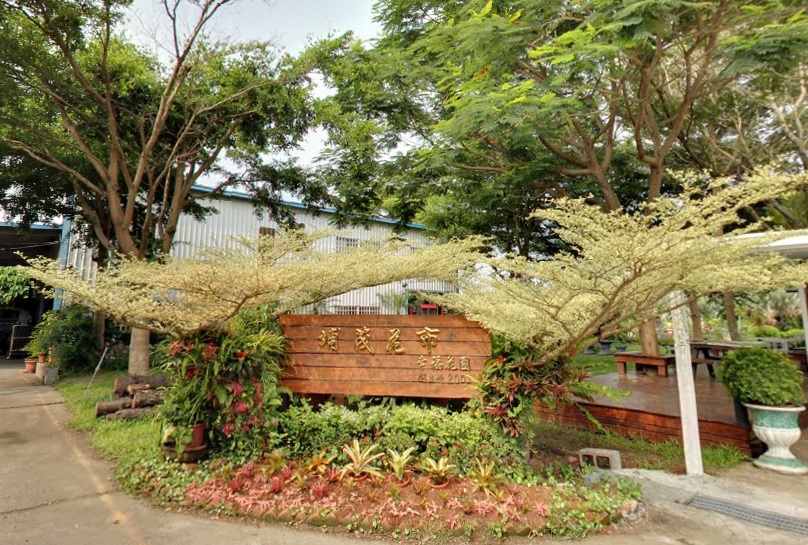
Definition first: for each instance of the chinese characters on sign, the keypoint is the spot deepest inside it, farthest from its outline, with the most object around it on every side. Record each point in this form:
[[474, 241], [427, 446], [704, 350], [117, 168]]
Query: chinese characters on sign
[[434, 368], [363, 340], [393, 343], [330, 338], [429, 338]]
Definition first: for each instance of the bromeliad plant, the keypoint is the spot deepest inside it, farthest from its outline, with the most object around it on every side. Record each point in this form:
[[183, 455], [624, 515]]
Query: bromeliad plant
[[399, 461], [228, 379], [361, 460], [438, 471]]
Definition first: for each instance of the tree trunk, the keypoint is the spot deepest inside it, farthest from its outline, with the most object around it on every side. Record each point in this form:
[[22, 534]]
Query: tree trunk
[[732, 321], [99, 330], [139, 352], [695, 318], [649, 343]]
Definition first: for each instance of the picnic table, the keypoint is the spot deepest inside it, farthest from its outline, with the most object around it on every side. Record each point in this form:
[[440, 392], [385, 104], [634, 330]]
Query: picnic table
[[701, 352]]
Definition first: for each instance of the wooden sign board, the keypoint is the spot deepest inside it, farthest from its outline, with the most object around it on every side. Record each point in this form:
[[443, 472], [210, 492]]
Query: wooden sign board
[[384, 355]]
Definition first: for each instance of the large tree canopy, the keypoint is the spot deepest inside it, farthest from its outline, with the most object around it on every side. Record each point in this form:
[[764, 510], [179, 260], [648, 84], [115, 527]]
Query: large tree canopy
[[472, 106], [130, 132], [134, 131]]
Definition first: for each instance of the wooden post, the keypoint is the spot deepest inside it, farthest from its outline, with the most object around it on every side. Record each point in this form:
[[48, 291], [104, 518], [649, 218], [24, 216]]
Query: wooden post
[[687, 390]]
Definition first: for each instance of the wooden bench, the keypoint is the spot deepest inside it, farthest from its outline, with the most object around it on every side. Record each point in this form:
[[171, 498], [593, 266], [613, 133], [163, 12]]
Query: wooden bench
[[644, 360]]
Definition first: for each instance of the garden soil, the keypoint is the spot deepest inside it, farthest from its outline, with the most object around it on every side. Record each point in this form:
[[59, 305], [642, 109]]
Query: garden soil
[[55, 489]]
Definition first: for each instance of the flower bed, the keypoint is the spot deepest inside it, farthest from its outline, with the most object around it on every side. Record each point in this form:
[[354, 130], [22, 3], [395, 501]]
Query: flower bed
[[274, 490]]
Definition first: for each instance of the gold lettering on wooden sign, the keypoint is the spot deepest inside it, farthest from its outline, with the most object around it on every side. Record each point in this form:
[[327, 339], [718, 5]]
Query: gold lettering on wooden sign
[[393, 343], [362, 341], [330, 338], [429, 338]]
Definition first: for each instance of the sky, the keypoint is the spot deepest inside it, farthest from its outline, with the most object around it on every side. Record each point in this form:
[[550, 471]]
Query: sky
[[289, 23]]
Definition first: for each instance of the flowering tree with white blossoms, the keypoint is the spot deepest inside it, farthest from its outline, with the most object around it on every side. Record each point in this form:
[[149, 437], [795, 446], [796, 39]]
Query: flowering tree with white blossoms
[[620, 266], [281, 273]]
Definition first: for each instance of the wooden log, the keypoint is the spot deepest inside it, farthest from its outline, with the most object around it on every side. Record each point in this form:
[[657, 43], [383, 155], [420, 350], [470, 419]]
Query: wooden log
[[147, 398], [123, 382], [106, 407], [132, 389], [131, 414]]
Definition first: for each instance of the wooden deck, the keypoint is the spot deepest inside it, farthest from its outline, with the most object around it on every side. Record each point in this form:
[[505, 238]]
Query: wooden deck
[[652, 410]]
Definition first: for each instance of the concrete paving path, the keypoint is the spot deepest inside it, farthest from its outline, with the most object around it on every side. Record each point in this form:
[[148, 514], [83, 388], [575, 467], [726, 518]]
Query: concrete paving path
[[54, 489]]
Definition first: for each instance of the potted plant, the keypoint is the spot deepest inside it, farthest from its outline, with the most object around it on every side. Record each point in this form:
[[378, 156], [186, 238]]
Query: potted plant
[[438, 471], [361, 460], [770, 386], [30, 365], [398, 463], [183, 429]]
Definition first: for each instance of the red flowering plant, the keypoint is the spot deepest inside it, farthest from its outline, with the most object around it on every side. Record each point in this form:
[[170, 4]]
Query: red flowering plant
[[228, 379]]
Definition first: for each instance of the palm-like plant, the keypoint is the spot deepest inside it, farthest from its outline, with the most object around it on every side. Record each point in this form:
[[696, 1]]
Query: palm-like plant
[[361, 459]]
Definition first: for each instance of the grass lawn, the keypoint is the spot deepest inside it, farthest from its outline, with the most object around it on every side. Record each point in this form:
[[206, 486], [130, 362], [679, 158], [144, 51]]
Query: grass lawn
[[127, 441], [557, 444], [596, 365]]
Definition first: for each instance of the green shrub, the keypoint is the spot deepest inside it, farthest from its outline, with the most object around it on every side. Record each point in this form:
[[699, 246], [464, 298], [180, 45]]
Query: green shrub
[[68, 330], [764, 331], [432, 431], [762, 377], [13, 283]]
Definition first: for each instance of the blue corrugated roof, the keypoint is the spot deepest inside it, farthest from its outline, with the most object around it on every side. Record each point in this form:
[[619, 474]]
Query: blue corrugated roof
[[37, 226], [247, 197]]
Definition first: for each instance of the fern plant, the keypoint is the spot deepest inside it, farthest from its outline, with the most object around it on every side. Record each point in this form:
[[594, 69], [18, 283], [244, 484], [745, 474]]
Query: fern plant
[[762, 377]]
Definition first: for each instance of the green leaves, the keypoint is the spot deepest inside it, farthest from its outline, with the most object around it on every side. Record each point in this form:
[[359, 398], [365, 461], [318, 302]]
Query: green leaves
[[13, 283], [761, 376]]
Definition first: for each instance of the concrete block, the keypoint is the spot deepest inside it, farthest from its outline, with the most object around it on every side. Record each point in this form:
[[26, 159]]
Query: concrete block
[[601, 458]]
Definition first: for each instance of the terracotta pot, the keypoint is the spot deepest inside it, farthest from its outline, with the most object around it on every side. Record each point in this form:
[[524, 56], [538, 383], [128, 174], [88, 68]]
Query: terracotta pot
[[41, 358], [405, 481], [30, 366], [439, 486], [197, 436]]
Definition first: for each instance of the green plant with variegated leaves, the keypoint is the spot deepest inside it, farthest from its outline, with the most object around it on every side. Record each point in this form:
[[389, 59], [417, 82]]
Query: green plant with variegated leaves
[[361, 459]]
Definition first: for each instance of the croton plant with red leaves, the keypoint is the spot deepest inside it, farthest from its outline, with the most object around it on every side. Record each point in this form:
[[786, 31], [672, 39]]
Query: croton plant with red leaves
[[228, 379]]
